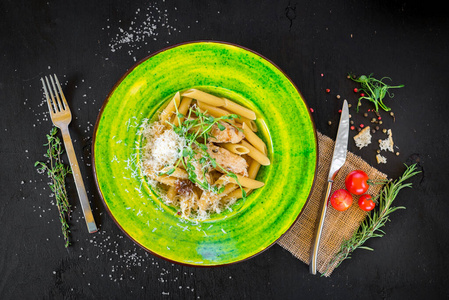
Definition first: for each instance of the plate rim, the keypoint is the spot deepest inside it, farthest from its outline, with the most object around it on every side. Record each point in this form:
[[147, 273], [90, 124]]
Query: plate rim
[[105, 102]]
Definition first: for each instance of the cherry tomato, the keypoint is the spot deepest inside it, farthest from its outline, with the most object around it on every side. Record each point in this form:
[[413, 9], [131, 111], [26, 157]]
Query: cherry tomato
[[341, 200], [356, 182], [366, 203]]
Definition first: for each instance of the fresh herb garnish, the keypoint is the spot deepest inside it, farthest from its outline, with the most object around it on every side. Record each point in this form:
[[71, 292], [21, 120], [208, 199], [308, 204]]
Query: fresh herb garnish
[[371, 226], [57, 172], [374, 90], [196, 132]]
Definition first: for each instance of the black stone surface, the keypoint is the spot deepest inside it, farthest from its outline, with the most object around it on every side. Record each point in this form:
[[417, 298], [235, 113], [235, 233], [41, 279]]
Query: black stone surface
[[316, 43]]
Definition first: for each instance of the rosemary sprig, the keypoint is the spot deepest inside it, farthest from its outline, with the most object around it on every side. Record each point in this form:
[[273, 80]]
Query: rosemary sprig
[[374, 90], [371, 226], [57, 172]]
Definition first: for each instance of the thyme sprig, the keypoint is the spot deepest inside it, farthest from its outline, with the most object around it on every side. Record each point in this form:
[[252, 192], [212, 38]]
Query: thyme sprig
[[374, 90], [371, 226], [197, 131], [57, 172]]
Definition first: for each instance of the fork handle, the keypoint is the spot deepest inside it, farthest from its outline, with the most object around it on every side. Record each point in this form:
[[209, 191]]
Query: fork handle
[[85, 206], [319, 229]]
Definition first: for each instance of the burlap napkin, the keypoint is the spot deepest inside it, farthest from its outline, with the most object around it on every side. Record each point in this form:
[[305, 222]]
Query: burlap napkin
[[338, 226]]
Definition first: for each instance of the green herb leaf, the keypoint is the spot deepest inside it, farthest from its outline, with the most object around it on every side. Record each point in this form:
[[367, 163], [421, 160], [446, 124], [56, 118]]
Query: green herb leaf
[[57, 172], [221, 127], [375, 90]]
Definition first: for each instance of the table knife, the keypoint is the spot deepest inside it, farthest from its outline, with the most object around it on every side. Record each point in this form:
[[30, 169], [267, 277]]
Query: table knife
[[338, 159]]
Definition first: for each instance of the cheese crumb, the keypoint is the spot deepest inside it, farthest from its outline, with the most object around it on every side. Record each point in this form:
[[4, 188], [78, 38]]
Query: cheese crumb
[[363, 138], [381, 159], [387, 144]]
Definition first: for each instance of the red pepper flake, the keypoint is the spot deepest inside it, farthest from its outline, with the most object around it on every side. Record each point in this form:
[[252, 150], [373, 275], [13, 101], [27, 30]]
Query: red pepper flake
[[379, 118], [361, 125], [179, 213], [352, 127], [355, 90], [328, 91], [339, 110], [311, 109], [322, 75], [362, 95]]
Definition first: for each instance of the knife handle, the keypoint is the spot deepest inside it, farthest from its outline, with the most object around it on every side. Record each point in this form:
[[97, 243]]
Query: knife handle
[[316, 243]]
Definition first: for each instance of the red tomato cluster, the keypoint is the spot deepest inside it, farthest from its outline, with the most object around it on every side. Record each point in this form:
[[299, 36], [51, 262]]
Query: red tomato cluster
[[356, 183]]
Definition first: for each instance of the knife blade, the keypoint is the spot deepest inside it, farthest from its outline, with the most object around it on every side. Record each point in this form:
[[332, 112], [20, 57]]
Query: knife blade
[[338, 160]]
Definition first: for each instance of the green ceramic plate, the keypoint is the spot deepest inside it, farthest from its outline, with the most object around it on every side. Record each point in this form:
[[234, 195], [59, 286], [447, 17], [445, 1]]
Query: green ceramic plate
[[284, 123]]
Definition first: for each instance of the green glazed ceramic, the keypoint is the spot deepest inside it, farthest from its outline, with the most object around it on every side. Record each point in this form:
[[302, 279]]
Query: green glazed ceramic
[[284, 123]]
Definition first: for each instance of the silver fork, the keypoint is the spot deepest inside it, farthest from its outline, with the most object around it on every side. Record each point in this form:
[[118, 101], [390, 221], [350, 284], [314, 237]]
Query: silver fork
[[61, 117]]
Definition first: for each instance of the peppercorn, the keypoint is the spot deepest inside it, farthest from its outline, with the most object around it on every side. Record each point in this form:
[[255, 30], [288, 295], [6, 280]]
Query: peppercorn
[[397, 153], [384, 130], [329, 122], [349, 105], [352, 122], [365, 115], [377, 128], [380, 122], [373, 130], [338, 96], [359, 129]]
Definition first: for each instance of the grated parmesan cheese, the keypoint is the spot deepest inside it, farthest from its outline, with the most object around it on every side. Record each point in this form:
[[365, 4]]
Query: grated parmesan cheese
[[162, 149]]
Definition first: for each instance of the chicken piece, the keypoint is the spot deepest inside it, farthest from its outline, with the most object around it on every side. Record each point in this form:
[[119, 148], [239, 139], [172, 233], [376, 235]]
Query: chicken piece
[[200, 168], [228, 135], [229, 161]]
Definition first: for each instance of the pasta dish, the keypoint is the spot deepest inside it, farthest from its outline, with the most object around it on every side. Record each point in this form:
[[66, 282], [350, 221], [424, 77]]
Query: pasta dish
[[202, 154]]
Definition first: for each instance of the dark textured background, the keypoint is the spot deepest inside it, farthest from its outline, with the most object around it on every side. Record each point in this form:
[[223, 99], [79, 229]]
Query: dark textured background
[[316, 43]]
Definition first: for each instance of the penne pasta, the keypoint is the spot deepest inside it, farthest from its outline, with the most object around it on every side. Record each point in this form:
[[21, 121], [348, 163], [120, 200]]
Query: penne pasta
[[239, 110], [183, 108], [204, 97], [256, 154], [253, 139], [253, 169], [235, 148], [170, 109], [236, 194], [177, 173], [250, 123], [215, 112], [247, 182], [171, 193], [164, 179]]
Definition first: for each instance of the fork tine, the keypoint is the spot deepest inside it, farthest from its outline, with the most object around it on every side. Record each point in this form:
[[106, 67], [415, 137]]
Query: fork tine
[[49, 103], [61, 107], [55, 105], [66, 106]]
